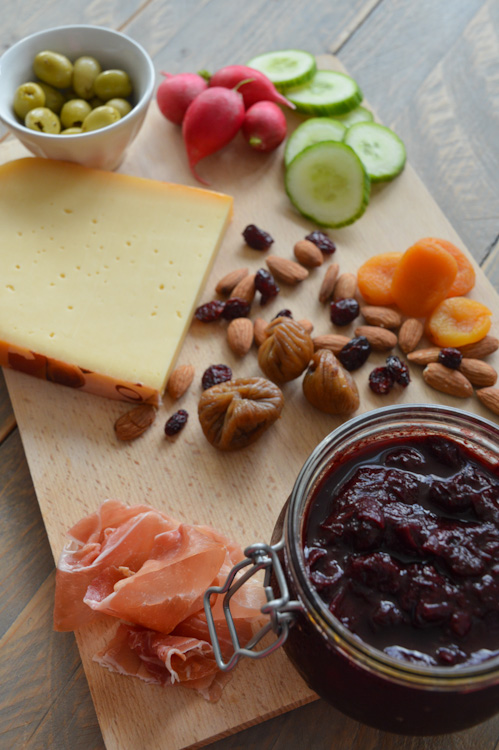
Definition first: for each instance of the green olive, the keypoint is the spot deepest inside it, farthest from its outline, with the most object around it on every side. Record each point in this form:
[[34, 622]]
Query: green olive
[[43, 120], [100, 117], [74, 112], [121, 105], [71, 131], [53, 68], [85, 71], [54, 99], [112, 83], [28, 96]]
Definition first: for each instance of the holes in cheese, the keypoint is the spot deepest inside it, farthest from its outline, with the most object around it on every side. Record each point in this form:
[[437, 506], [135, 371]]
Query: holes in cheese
[[109, 271]]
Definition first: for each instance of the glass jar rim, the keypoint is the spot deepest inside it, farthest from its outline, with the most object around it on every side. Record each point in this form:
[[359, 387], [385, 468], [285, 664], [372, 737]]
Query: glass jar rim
[[472, 429]]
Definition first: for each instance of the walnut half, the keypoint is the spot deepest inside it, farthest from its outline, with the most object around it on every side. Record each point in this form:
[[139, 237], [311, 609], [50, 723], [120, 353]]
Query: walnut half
[[286, 350], [234, 414], [328, 386]]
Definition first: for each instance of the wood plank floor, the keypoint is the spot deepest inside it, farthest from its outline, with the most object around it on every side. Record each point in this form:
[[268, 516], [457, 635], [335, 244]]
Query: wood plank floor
[[430, 69]]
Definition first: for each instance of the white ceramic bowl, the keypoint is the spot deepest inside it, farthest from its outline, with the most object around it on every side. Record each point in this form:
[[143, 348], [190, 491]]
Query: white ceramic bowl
[[101, 149]]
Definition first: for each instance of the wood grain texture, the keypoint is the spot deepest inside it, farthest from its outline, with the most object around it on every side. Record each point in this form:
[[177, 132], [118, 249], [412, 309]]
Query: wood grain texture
[[69, 441], [179, 42], [43, 691], [403, 41], [440, 92], [7, 419], [24, 552]]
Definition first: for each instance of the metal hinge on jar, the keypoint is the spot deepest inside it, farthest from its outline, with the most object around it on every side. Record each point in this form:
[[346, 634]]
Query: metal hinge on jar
[[280, 610]]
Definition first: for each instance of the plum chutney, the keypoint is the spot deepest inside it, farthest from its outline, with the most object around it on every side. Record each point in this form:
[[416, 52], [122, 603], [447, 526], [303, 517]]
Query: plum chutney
[[402, 544]]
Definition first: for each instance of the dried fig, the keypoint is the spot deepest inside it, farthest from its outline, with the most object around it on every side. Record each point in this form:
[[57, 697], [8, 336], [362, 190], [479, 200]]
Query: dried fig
[[328, 386], [234, 414], [286, 351]]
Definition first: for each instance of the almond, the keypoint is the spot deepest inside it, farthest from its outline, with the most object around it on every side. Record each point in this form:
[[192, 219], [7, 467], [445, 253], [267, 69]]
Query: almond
[[306, 324], [230, 280], [328, 282], [480, 349], [345, 287], [135, 422], [448, 381], [179, 381], [384, 317], [489, 398], [410, 334], [478, 372], [286, 270], [332, 341], [245, 289], [308, 254], [240, 335], [423, 356], [381, 339], [259, 328]]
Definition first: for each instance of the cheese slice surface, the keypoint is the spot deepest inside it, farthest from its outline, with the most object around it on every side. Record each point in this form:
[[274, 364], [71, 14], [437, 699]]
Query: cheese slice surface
[[101, 271]]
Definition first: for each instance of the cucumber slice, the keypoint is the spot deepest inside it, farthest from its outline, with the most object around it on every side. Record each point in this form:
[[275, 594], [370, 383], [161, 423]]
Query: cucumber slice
[[314, 130], [328, 184], [285, 68], [328, 93], [379, 148], [359, 114]]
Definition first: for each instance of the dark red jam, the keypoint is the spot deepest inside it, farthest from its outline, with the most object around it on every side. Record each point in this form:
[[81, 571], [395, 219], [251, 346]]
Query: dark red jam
[[402, 544]]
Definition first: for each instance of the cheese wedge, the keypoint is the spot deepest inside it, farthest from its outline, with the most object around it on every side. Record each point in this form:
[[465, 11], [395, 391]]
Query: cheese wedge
[[100, 274]]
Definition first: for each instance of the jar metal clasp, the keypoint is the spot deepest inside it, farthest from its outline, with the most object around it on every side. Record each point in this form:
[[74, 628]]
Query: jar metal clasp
[[280, 609]]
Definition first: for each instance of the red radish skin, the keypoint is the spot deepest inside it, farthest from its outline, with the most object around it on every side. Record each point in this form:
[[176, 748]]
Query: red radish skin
[[257, 88], [177, 92], [264, 126], [211, 121]]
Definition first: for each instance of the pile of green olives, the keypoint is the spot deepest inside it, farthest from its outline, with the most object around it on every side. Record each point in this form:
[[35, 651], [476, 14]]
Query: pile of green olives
[[72, 97]]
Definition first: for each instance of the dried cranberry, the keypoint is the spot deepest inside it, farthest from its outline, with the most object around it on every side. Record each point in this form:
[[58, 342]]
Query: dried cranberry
[[266, 285], [343, 311], [399, 370], [176, 422], [450, 357], [257, 238], [381, 381], [283, 314], [354, 354], [323, 242], [236, 307], [210, 311], [214, 375]]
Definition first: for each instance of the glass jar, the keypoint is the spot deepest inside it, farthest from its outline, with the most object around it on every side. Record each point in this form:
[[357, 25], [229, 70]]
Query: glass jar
[[361, 681]]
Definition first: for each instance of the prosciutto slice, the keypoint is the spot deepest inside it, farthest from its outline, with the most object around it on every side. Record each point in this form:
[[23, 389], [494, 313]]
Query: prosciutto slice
[[164, 660], [149, 572]]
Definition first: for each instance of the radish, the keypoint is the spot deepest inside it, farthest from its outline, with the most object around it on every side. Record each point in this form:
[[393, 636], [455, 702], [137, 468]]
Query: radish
[[175, 94], [256, 88], [211, 121], [264, 126]]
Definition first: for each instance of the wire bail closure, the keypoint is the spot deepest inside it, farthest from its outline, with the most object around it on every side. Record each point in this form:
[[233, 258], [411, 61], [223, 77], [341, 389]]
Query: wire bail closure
[[280, 610]]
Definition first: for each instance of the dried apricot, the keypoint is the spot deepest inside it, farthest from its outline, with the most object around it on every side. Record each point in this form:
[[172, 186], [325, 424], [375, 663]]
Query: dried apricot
[[423, 278], [458, 321], [374, 278], [465, 279]]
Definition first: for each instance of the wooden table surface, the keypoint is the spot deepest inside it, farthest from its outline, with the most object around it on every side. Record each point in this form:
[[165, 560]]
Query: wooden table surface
[[430, 70]]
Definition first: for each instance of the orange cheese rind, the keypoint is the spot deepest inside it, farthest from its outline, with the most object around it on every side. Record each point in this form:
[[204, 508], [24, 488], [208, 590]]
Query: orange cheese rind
[[54, 370]]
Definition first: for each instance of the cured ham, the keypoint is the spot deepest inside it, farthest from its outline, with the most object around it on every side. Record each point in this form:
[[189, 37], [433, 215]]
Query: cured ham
[[164, 660], [149, 572]]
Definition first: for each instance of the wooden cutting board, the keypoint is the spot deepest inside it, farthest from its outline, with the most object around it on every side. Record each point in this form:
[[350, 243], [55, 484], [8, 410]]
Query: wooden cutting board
[[76, 461]]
